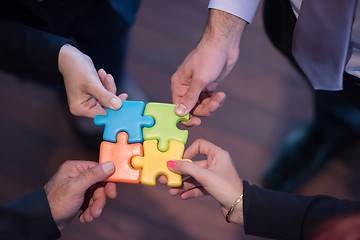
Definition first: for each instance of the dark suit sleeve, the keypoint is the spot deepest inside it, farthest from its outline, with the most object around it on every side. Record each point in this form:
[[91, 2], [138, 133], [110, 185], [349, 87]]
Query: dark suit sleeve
[[27, 50], [28, 218], [281, 215]]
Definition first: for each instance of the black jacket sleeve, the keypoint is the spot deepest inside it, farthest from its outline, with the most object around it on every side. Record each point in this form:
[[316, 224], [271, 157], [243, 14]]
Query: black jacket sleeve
[[282, 215], [28, 50], [28, 218]]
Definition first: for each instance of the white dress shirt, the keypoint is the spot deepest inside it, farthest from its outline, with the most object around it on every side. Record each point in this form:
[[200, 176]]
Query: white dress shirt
[[246, 9]]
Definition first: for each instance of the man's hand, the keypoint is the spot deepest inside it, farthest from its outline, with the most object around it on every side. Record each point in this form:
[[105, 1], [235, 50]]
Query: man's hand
[[88, 94], [194, 83], [79, 185]]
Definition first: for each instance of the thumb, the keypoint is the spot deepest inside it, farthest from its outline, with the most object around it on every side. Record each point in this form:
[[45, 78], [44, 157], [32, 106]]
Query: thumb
[[189, 100], [93, 175], [189, 168], [106, 98]]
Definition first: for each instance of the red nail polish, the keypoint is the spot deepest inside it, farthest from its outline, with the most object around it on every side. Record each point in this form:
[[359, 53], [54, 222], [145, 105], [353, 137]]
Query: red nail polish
[[171, 164]]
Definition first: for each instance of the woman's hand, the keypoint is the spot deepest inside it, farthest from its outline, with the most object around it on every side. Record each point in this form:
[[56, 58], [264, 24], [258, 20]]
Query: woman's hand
[[216, 176]]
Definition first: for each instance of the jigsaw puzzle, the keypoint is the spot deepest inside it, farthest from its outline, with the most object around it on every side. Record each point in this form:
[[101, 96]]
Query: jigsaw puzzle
[[121, 153], [153, 163], [136, 160], [128, 118], [165, 128]]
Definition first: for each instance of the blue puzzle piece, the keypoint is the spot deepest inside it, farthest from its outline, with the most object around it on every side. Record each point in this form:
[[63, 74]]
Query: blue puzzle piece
[[129, 118]]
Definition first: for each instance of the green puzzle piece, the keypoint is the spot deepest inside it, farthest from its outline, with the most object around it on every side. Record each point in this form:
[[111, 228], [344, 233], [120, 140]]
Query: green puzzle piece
[[165, 128]]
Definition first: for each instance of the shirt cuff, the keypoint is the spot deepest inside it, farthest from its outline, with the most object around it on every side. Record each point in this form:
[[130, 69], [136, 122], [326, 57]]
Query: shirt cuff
[[244, 9], [28, 218]]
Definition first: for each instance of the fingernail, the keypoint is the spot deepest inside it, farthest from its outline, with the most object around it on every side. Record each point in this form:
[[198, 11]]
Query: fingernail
[[180, 110], [108, 167], [171, 164], [91, 219], [222, 103], [99, 212], [102, 71], [115, 103]]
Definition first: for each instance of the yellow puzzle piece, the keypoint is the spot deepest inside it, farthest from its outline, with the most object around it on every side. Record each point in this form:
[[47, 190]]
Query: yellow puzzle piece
[[153, 163]]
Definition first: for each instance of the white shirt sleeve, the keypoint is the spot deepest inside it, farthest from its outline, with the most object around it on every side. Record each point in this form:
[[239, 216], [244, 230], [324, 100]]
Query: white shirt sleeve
[[244, 9]]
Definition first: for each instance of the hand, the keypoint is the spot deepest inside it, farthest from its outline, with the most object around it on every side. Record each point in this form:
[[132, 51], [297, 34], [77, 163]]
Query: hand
[[216, 176], [108, 82], [79, 184], [194, 83], [88, 94]]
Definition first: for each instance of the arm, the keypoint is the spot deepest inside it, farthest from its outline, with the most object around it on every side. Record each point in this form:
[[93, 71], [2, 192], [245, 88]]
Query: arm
[[77, 186], [31, 51], [262, 212], [28, 50], [193, 84], [266, 212], [28, 218]]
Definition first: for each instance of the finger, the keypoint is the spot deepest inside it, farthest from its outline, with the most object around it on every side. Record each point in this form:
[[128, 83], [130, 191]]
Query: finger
[[107, 80], [192, 122], [174, 191], [93, 175], [99, 201], [199, 146], [189, 168], [187, 184], [94, 111], [101, 73], [209, 105], [81, 218], [180, 82], [110, 190], [193, 193], [106, 98], [163, 179], [123, 96], [202, 163], [86, 215], [189, 189], [91, 108], [189, 100]]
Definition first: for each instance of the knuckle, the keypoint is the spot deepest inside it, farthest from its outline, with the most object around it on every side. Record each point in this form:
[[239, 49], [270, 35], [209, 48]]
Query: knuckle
[[182, 166], [74, 110], [200, 141], [202, 80], [65, 164], [226, 153], [87, 58], [173, 78], [188, 97], [89, 174]]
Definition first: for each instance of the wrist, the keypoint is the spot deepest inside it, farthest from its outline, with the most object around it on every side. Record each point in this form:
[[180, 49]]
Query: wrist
[[236, 213], [63, 55], [70, 56], [54, 212], [224, 27]]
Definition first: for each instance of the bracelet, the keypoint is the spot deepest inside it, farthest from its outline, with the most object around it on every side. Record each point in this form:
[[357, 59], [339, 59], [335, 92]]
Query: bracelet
[[232, 208]]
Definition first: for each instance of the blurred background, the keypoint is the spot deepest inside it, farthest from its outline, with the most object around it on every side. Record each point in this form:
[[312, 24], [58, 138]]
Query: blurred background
[[266, 99]]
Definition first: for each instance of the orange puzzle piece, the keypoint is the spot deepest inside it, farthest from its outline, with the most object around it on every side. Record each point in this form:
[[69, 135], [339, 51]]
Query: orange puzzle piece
[[153, 163], [121, 153]]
